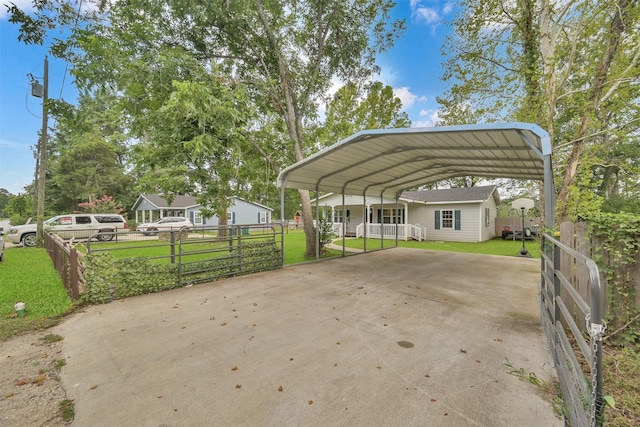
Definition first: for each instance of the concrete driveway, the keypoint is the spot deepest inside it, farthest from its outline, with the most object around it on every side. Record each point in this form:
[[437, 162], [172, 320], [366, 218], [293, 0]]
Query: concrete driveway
[[398, 337]]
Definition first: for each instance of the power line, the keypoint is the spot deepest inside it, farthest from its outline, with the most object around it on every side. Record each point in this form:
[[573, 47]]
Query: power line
[[66, 67]]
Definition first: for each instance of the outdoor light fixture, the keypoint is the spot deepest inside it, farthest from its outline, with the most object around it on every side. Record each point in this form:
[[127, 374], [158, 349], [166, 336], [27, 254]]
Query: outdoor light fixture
[[524, 205], [523, 252]]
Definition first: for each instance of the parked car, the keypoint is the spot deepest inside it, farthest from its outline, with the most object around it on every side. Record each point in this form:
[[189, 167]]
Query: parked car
[[1, 244], [77, 226], [167, 223]]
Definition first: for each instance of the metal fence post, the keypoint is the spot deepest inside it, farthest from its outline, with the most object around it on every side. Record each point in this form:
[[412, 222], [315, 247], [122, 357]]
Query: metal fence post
[[556, 284], [173, 246]]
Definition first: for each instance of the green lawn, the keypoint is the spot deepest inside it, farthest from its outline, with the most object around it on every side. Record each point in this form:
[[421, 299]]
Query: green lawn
[[495, 246], [27, 275]]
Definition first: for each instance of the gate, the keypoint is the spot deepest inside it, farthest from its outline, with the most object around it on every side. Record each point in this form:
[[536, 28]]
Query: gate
[[561, 304], [211, 253]]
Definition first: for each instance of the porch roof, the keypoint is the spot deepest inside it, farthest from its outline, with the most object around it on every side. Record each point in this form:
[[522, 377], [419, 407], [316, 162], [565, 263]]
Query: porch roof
[[388, 161]]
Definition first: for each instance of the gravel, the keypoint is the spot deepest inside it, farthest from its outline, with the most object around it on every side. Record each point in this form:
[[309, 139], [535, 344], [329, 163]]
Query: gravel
[[30, 387]]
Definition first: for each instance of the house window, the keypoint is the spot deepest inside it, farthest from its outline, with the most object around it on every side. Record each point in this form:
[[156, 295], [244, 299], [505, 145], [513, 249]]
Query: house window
[[486, 216], [197, 218], [338, 215], [447, 219], [229, 217], [391, 216], [263, 218]]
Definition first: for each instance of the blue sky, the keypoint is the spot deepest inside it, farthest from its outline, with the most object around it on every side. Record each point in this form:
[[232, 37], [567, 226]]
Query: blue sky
[[412, 68]]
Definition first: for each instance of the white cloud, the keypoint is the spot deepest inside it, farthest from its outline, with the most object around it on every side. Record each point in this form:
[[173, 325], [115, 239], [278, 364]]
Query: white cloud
[[27, 6], [428, 118], [24, 5], [426, 14], [406, 96]]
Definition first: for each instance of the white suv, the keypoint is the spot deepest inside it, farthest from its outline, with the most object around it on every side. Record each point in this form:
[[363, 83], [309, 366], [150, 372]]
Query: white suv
[[168, 223], [78, 226]]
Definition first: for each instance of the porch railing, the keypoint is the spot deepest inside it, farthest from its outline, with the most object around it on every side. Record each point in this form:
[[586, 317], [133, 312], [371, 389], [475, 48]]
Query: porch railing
[[405, 231]]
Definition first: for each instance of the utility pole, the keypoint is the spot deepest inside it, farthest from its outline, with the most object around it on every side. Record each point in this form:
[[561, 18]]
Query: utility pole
[[42, 160]]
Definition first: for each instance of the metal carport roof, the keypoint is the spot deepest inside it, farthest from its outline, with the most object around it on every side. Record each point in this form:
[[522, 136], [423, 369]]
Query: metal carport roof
[[388, 161]]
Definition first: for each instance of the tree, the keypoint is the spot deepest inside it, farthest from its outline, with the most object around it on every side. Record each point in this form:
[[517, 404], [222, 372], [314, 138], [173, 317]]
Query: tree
[[350, 111], [570, 70], [4, 200], [19, 209], [88, 155]]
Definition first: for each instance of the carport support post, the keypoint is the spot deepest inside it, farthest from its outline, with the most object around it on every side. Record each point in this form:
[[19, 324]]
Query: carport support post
[[395, 219], [365, 213], [344, 226], [317, 224], [381, 219]]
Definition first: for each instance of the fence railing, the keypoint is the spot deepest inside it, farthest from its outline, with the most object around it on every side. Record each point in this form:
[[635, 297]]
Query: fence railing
[[65, 260], [137, 263], [561, 305], [405, 231]]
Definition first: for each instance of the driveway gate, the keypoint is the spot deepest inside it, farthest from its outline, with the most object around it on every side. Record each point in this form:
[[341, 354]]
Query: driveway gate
[[211, 253], [563, 309]]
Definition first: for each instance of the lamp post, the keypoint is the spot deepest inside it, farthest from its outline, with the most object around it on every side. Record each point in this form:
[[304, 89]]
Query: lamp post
[[523, 252]]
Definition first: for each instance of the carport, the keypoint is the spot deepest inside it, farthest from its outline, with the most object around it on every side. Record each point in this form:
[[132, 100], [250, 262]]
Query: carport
[[375, 163], [379, 163]]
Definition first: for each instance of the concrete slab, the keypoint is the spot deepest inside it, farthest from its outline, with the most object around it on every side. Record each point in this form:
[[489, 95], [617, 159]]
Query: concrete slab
[[387, 338]]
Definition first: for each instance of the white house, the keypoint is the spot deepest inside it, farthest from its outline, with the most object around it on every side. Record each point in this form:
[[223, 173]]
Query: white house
[[149, 207], [456, 214]]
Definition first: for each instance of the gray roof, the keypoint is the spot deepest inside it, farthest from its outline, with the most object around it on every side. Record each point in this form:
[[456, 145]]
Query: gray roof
[[179, 202], [464, 194], [389, 161], [182, 201]]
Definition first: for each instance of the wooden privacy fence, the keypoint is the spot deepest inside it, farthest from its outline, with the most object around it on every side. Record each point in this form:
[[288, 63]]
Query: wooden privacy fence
[[576, 237], [516, 224], [65, 261]]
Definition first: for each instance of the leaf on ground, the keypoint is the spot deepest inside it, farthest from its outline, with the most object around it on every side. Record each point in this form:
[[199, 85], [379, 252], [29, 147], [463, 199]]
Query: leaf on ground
[[238, 385], [280, 388], [235, 368], [95, 386], [310, 402], [223, 324], [23, 381], [462, 350]]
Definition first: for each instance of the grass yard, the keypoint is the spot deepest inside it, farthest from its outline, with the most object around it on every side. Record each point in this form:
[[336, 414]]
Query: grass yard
[[496, 246], [27, 275]]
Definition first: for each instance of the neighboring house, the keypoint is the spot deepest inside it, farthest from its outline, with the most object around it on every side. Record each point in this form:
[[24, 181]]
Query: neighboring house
[[456, 214], [150, 207]]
